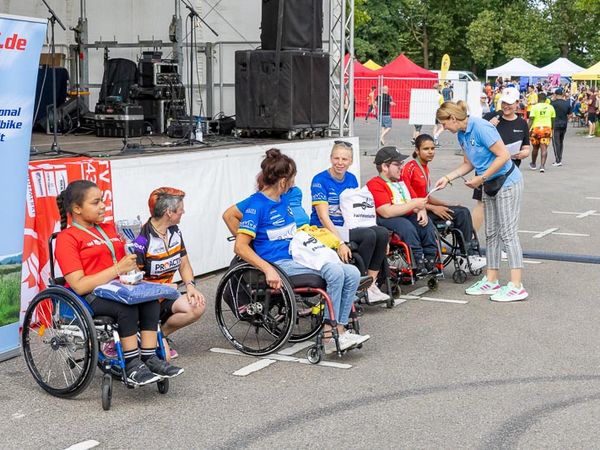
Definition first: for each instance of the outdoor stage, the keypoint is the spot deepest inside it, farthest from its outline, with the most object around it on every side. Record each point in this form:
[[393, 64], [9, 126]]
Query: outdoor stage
[[214, 176]]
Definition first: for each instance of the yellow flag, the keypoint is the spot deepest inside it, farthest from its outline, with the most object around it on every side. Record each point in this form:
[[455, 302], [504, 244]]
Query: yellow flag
[[445, 67]]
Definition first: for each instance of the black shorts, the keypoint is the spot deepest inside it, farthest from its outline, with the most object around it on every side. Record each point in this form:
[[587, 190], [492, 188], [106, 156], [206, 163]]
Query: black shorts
[[166, 310], [592, 117]]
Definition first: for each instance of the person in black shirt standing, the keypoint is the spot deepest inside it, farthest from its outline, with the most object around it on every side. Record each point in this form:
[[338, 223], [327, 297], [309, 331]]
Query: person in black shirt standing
[[514, 133], [385, 101], [563, 112]]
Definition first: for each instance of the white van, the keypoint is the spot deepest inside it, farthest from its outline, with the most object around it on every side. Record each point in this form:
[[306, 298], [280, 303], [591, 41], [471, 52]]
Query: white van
[[462, 75]]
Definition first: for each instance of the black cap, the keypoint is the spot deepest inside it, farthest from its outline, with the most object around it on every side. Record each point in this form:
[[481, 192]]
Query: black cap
[[389, 154], [559, 91]]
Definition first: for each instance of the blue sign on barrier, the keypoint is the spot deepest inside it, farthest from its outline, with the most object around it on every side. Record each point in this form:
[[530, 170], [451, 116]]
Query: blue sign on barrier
[[21, 40]]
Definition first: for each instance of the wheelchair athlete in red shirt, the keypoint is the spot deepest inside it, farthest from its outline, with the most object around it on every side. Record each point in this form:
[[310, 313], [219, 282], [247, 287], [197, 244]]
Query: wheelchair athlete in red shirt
[[90, 254]]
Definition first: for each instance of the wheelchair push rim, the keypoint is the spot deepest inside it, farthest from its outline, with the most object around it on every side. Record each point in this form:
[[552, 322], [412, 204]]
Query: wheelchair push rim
[[255, 319], [59, 342]]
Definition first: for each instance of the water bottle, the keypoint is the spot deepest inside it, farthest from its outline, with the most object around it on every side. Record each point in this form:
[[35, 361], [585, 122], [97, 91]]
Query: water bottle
[[198, 136]]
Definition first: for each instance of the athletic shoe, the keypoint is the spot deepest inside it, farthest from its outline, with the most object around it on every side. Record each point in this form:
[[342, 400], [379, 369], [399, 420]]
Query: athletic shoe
[[589, 136], [138, 373], [436, 142], [476, 262], [412, 141], [357, 338], [344, 341], [109, 349], [510, 293], [375, 294], [532, 166], [173, 353], [421, 270], [483, 287], [162, 368], [542, 170], [430, 266], [556, 164]]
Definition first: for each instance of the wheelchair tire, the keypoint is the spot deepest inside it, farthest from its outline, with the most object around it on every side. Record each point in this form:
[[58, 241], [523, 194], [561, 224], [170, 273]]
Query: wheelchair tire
[[255, 320], [59, 342], [163, 386], [314, 355], [459, 276], [107, 384]]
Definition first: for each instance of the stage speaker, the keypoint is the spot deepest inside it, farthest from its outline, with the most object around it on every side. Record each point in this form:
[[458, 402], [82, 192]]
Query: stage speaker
[[301, 24], [288, 96]]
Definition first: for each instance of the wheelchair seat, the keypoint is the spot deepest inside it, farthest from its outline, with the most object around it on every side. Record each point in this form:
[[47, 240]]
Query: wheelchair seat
[[103, 320], [308, 280]]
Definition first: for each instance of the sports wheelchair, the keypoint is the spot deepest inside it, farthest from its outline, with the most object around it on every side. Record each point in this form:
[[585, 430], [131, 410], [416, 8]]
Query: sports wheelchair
[[452, 242], [61, 339], [258, 320]]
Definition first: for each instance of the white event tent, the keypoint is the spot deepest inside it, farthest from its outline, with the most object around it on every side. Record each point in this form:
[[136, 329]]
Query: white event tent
[[562, 66], [516, 67]]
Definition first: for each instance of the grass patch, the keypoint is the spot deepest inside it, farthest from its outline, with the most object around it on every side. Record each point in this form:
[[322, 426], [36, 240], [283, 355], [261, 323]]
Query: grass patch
[[10, 296]]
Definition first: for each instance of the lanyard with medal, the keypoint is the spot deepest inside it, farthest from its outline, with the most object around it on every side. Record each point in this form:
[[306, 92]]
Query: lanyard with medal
[[396, 187], [104, 239], [424, 173]]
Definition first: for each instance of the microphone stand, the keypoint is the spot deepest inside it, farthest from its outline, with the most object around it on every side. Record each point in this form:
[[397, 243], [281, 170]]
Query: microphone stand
[[53, 19], [191, 15]]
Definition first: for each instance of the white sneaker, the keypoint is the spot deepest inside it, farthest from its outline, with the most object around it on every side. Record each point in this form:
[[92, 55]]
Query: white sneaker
[[357, 338], [532, 166], [477, 262], [344, 341], [556, 164], [375, 295], [590, 136]]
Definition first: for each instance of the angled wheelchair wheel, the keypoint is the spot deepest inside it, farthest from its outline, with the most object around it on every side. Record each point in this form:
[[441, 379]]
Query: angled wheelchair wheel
[[59, 342], [255, 319]]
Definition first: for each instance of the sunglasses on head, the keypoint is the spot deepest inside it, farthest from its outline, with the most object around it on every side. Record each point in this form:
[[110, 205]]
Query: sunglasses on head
[[344, 143]]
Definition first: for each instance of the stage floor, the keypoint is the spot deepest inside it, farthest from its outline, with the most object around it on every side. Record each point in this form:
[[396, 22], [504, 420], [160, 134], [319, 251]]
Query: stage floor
[[102, 147]]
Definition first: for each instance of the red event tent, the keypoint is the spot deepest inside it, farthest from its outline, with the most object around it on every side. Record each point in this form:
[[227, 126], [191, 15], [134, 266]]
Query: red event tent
[[401, 75]]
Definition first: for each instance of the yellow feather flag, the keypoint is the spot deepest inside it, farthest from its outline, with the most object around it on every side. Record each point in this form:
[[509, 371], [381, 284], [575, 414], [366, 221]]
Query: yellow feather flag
[[445, 67]]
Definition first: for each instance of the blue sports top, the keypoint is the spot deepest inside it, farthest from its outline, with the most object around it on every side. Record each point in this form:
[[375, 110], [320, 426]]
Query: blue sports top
[[271, 224], [294, 199], [476, 141], [326, 189]]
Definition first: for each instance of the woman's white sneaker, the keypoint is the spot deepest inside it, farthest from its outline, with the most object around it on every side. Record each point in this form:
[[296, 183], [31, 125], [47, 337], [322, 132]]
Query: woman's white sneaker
[[375, 295], [510, 293], [483, 287]]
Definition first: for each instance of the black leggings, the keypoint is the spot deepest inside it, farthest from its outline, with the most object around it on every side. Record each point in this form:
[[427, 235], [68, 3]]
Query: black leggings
[[128, 316], [372, 243]]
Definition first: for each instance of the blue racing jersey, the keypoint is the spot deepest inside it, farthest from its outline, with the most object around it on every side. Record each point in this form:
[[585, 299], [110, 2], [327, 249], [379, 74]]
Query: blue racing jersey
[[326, 189], [271, 225], [294, 199]]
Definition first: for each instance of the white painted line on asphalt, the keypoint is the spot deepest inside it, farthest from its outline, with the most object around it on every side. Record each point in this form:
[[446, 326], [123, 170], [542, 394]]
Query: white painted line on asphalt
[[528, 231], [572, 234], [254, 367], [419, 291], [295, 348], [591, 212], [18, 415], [444, 300], [593, 198], [566, 212], [531, 261], [545, 233], [84, 445], [408, 297], [284, 358]]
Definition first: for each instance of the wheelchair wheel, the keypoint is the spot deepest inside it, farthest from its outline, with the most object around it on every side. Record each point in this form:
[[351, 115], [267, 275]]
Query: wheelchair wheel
[[432, 283], [309, 318], [459, 276], [314, 355], [106, 391], [252, 317], [59, 342], [163, 386]]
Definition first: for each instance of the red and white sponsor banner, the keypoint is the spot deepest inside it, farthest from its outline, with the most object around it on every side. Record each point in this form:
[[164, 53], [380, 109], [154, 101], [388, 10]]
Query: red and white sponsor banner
[[46, 180]]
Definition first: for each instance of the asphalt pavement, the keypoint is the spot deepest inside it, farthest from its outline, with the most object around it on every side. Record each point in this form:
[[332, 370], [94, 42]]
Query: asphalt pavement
[[444, 370]]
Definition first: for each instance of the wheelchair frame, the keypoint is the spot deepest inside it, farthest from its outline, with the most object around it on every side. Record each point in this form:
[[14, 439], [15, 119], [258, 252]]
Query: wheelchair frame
[[58, 323], [458, 239], [271, 314]]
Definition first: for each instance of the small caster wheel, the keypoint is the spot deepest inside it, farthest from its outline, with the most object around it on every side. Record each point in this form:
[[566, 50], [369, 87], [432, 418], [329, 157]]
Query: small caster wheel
[[389, 304], [459, 276], [314, 355], [477, 272], [106, 391], [163, 386], [432, 283]]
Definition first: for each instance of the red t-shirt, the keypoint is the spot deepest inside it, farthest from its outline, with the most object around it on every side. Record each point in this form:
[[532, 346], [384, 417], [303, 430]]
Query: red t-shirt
[[383, 194], [415, 179], [78, 250]]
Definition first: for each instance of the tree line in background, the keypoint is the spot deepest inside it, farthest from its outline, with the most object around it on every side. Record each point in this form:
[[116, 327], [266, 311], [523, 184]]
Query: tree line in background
[[477, 34]]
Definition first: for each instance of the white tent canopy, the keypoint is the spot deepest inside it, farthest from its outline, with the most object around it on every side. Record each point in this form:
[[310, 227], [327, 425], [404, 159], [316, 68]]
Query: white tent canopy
[[562, 66], [516, 67]]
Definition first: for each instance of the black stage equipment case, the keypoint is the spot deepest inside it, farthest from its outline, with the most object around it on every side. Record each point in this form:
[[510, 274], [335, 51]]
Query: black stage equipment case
[[301, 27], [119, 120], [293, 98]]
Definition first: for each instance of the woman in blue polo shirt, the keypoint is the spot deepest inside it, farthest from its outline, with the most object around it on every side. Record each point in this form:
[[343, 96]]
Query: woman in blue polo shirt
[[264, 236], [485, 152], [326, 188]]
